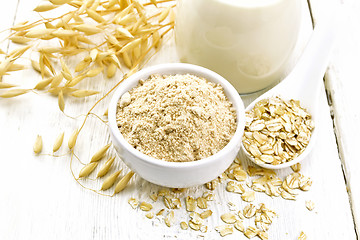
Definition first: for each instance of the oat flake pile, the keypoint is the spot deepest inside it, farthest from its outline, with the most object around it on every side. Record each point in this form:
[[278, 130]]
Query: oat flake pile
[[177, 118]]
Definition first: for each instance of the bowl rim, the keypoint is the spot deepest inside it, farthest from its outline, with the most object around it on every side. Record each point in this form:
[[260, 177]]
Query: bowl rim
[[231, 93]]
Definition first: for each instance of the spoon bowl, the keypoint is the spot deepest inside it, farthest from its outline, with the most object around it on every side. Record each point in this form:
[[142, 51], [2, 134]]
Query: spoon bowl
[[304, 83]]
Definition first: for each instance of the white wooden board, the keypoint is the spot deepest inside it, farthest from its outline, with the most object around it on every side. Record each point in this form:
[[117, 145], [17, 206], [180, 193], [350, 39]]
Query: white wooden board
[[342, 84]]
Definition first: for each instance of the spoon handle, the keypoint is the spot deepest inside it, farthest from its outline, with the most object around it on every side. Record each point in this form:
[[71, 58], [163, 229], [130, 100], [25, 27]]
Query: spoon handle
[[308, 72]]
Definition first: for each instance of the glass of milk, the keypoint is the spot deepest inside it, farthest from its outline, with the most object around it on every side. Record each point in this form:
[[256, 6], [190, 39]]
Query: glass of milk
[[249, 42]]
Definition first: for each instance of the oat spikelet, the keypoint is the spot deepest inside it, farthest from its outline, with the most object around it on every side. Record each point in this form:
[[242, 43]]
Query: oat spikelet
[[38, 33], [38, 144], [43, 84], [87, 169], [94, 15], [123, 182], [6, 85], [59, 2], [58, 142], [111, 70], [14, 93], [156, 38], [60, 33], [56, 80], [127, 60], [36, 67], [124, 32], [16, 67], [19, 39], [105, 168], [109, 181], [93, 54], [163, 15], [82, 65], [73, 138], [88, 29], [130, 45], [4, 66], [100, 153], [76, 80], [94, 72], [83, 93], [61, 101], [44, 6]]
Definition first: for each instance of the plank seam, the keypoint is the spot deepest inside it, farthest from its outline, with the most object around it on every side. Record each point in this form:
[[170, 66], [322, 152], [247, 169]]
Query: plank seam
[[13, 23], [328, 92]]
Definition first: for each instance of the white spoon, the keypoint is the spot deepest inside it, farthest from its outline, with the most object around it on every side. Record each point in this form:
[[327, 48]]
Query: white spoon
[[304, 82]]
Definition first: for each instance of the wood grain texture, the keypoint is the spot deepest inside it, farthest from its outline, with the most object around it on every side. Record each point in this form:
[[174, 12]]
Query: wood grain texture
[[41, 200], [7, 20], [342, 85]]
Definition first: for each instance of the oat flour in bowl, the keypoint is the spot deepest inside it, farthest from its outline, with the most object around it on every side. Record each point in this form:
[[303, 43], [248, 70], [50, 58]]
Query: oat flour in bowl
[[176, 118]]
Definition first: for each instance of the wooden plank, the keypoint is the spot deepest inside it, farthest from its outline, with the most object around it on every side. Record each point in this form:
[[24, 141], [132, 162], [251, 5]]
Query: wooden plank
[[41, 200], [342, 88], [7, 15]]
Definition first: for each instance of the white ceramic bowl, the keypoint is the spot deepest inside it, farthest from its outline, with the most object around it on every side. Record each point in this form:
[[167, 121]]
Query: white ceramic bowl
[[177, 174]]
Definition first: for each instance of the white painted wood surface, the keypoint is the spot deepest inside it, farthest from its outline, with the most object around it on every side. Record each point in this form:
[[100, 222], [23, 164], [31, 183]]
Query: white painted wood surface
[[342, 85], [39, 198]]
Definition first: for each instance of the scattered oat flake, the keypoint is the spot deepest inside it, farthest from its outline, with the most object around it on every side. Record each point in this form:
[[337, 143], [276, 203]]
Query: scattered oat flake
[[201, 203], [206, 214], [251, 232], [235, 187], [196, 219], [296, 167], [194, 226], [169, 219], [232, 206], [160, 212], [305, 183], [164, 192], [190, 204], [150, 215], [239, 226], [183, 225], [241, 215], [212, 185], [178, 190], [134, 203], [154, 197], [228, 218], [145, 206], [249, 211], [263, 235], [310, 205], [209, 196], [239, 174], [302, 236], [248, 196], [224, 230], [203, 228], [287, 196]]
